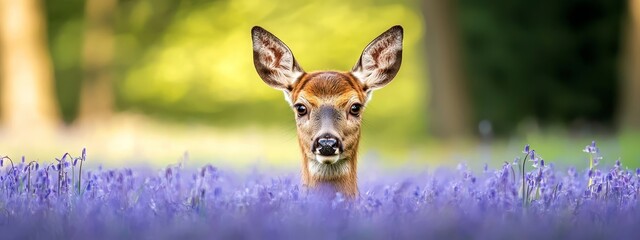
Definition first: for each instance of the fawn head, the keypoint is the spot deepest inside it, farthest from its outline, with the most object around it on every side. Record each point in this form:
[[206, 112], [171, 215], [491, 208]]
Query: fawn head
[[328, 105]]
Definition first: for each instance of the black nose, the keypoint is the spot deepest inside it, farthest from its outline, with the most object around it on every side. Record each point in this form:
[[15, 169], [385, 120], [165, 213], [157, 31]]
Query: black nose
[[327, 142], [327, 145]]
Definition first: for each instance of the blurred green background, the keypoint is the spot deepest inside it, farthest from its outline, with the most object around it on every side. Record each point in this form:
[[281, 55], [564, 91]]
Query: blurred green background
[[477, 76]]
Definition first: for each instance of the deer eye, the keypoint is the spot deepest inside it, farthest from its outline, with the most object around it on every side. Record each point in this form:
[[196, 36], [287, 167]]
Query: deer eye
[[355, 109], [301, 110]]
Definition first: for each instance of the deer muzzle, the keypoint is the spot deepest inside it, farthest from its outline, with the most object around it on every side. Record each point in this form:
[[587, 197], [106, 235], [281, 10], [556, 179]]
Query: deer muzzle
[[327, 149]]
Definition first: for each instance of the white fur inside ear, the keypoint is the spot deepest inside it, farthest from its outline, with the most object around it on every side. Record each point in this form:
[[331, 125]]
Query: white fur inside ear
[[361, 75], [380, 60], [373, 71], [287, 97], [369, 96], [273, 60], [279, 59]]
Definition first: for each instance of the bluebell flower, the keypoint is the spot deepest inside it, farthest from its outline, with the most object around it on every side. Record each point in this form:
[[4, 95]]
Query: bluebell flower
[[591, 148], [534, 158], [538, 178], [140, 203]]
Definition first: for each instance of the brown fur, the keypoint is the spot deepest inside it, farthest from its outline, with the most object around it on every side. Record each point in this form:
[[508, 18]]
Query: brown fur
[[328, 97], [335, 89]]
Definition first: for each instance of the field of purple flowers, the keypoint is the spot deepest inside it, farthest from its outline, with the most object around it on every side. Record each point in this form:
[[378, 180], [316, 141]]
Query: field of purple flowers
[[60, 200]]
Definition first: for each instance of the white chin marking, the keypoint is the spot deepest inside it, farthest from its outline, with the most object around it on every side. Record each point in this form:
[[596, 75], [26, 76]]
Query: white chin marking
[[335, 169], [327, 159]]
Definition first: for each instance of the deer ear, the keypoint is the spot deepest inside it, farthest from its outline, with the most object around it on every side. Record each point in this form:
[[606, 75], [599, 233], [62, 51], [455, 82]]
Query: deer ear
[[274, 61], [380, 60]]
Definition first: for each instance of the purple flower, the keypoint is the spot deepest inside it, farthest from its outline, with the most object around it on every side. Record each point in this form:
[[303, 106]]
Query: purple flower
[[526, 149], [202, 171], [591, 148], [539, 175], [534, 158], [137, 202], [532, 154]]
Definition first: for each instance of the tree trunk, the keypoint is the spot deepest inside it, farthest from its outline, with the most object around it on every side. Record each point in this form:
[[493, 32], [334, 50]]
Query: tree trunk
[[28, 98], [448, 107], [96, 97], [630, 87]]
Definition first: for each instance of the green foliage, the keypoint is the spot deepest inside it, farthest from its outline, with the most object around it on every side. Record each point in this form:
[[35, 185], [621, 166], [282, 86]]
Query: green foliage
[[65, 29], [198, 62], [555, 61]]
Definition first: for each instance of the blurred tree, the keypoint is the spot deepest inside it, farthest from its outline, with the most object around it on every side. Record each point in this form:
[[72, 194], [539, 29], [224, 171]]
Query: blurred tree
[[549, 62], [28, 101], [449, 116], [96, 97], [65, 36], [630, 87], [191, 60]]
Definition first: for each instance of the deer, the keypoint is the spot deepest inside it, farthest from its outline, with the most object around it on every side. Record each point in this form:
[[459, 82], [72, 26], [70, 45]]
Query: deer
[[328, 105]]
